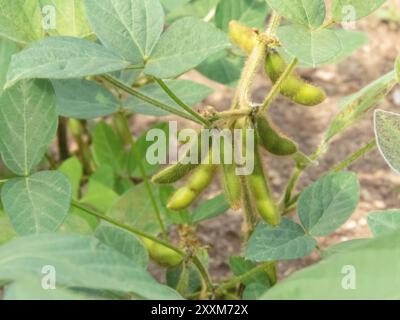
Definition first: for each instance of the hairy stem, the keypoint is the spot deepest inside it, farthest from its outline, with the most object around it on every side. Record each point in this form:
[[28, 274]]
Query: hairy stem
[[147, 99], [182, 104], [232, 283], [355, 156], [277, 86]]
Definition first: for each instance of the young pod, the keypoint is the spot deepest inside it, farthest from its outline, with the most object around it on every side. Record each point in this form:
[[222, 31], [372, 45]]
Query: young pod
[[231, 181], [242, 36], [256, 181], [272, 140], [160, 254], [196, 184], [295, 88], [260, 194], [175, 172]]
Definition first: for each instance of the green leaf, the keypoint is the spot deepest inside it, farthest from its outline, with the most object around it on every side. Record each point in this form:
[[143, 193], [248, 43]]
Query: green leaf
[[31, 289], [311, 47], [20, 20], [70, 18], [254, 291], [342, 247], [76, 223], [240, 265], [108, 149], [184, 45], [38, 203], [183, 8], [130, 28], [123, 242], [351, 10], [356, 105], [387, 129], [384, 221], [349, 41], [372, 265], [397, 69], [28, 123], [222, 68], [188, 91], [328, 203], [210, 209], [134, 208], [63, 58], [249, 12], [79, 261], [7, 49], [100, 192], [7, 232], [82, 99], [310, 13], [73, 170], [284, 242]]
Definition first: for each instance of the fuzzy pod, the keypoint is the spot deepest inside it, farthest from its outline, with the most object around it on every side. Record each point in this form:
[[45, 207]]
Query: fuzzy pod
[[260, 194], [176, 172], [273, 141], [200, 179], [295, 88], [231, 181], [242, 36], [160, 254], [257, 182]]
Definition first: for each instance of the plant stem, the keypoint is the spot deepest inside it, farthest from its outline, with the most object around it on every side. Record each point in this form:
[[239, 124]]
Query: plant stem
[[277, 86], [248, 75], [62, 139], [354, 157], [148, 99], [133, 230], [182, 104], [125, 127], [273, 25], [232, 283]]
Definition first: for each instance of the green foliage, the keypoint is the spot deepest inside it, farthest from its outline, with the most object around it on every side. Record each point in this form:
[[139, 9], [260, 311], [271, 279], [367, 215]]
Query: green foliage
[[77, 194], [28, 123], [328, 203], [38, 203], [284, 242]]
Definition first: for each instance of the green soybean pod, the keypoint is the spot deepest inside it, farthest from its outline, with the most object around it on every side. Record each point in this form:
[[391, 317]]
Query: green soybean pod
[[231, 181], [242, 36], [200, 179], [272, 140], [259, 190], [175, 172], [295, 88], [256, 181], [160, 254]]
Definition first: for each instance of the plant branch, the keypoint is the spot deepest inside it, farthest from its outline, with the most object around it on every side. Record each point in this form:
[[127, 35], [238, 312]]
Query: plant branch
[[232, 283], [148, 99], [355, 156], [133, 230], [182, 104], [277, 86]]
